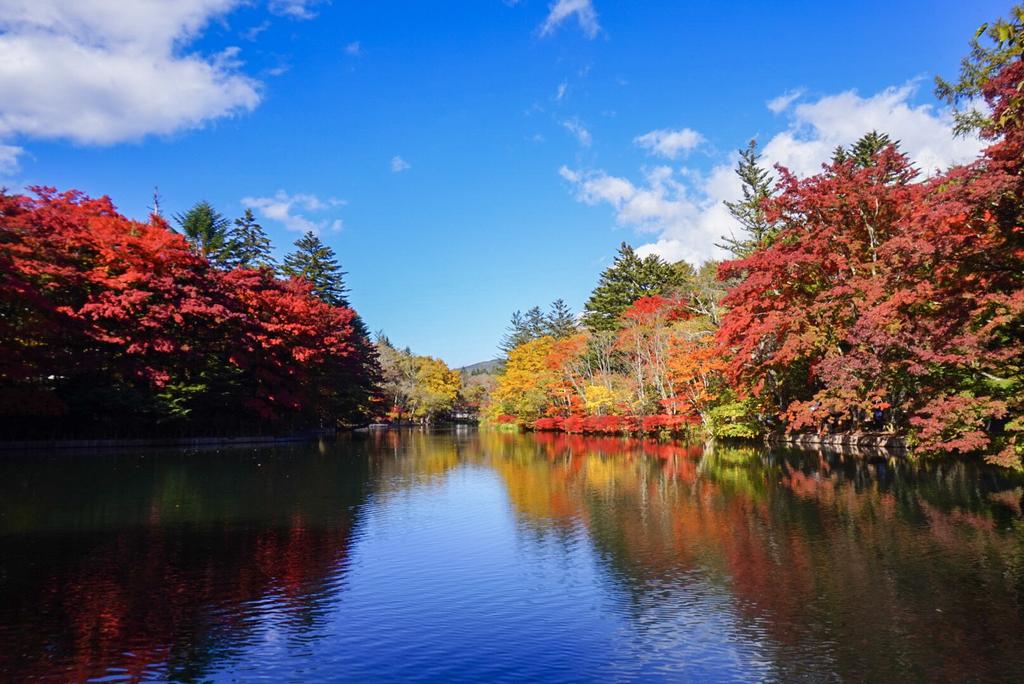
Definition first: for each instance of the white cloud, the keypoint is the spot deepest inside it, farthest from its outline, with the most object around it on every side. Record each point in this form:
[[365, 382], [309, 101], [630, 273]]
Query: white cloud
[[398, 164], [662, 203], [294, 9], [279, 70], [283, 208], [354, 49], [9, 159], [562, 87], [254, 32], [100, 72], [925, 133], [671, 250], [668, 143], [781, 103], [684, 208], [579, 131], [561, 10]]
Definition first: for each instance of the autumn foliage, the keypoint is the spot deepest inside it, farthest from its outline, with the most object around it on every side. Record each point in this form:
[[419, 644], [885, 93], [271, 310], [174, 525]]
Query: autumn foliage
[[874, 299], [114, 327], [892, 302]]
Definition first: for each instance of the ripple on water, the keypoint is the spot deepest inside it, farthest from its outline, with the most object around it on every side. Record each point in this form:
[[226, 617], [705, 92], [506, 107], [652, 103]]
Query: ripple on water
[[506, 558]]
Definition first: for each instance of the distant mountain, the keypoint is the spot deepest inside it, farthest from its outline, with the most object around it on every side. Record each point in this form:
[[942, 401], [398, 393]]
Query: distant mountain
[[483, 368]]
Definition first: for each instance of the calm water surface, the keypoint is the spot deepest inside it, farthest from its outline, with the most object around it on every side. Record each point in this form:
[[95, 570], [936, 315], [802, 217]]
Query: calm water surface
[[493, 557]]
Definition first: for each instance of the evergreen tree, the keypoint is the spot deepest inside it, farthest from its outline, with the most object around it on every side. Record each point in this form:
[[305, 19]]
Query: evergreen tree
[[248, 245], [628, 279], [560, 320], [525, 327], [749, 212], [863, 152], [517, 333], [840, 155], [206, 229], [536, 323], [687, 274], [316, 263]]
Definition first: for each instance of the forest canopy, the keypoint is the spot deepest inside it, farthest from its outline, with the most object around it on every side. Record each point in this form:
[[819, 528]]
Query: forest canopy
[[115, 327]]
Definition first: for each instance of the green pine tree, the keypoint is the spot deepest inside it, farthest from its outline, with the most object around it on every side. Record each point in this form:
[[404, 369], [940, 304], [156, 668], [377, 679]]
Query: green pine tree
[[862, 153], [206, 229], [628, 279], [560, 320], [517, 333], [316, 263], [248, 245], [749, 212], [840, 155], [536, 323]]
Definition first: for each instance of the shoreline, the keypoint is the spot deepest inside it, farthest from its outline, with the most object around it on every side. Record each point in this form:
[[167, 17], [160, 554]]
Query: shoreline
[[202, 442], [149, 442], [851, 440], [846, 443]]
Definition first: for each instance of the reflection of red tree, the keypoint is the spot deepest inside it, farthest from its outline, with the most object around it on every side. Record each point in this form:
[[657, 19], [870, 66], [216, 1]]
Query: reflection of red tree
[[556, 443], [823, 560], [175, 598], [615, 424], [886, 575]]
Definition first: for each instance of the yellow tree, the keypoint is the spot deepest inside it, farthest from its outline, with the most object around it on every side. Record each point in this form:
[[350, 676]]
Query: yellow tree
[[599, 400], [525, 388], [436, 388]]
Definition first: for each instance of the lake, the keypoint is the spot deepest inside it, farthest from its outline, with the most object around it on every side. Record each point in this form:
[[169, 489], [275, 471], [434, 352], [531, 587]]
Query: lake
[[485, 557]]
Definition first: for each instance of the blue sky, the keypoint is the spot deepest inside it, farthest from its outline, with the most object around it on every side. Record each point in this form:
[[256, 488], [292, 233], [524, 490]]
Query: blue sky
[[464, 159]]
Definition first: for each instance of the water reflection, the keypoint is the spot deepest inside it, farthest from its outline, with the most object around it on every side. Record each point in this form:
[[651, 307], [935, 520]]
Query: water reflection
[[835, 565], [490, 556], [161, 565]]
